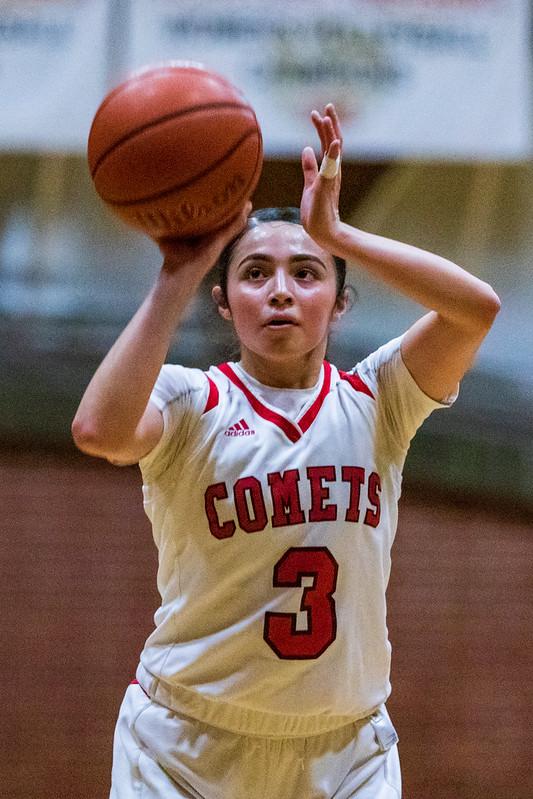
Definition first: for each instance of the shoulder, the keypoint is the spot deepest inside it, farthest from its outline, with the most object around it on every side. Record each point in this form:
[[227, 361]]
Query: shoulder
[[387, 353], [176, 383], [367, 377], [182, 395]]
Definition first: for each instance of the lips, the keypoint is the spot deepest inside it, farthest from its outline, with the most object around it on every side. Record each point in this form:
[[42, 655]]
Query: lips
[[280, 321]]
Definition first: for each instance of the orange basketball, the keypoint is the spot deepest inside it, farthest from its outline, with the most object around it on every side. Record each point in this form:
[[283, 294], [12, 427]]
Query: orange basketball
[[175, 150]]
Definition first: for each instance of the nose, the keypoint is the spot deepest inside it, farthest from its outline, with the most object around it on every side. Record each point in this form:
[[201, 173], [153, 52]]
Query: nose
[[281, 288]]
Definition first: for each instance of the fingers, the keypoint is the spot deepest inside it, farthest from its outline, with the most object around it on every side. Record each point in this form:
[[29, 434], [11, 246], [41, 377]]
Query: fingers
[[235, 224], [318, 122], [309, 165], [331, 163], [331, 112], [245, 212], [224, 235], [328, 128], [174, 246]]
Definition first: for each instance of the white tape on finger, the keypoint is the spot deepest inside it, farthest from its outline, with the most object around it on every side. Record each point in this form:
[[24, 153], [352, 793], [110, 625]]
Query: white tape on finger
[[329, 168]]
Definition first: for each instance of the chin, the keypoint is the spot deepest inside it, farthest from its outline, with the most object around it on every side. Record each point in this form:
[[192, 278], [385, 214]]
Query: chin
[[279, 354]]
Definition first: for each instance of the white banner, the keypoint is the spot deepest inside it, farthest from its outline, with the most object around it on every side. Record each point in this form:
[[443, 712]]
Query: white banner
[[53, 63], [410, 78]]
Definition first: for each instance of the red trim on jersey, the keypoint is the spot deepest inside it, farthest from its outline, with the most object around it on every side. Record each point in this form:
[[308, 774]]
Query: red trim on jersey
[[357, 383], [291, 430], [212, 399], [310, 415], [136, 682]]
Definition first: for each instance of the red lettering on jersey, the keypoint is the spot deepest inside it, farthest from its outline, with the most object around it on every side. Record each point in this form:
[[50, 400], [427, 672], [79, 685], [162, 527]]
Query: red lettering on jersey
[[355, 475], [251, 510], [319, 493], [280, 631], [374, 489], [226, 529], [285, 498], [252, 487]]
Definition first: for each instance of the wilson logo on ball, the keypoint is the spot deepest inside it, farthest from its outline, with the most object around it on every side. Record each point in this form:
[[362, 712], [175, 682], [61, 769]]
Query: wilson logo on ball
[[190, 212]]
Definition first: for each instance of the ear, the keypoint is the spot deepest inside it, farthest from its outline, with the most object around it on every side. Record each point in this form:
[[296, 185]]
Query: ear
[[340, 307], [221, 302]]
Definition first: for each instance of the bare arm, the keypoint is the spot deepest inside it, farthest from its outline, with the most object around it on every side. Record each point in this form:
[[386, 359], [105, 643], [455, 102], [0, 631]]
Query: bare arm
[[440, 347], [115, 419]]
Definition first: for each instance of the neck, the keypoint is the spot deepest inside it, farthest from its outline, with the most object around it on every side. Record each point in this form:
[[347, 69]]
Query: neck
[[299, 372]]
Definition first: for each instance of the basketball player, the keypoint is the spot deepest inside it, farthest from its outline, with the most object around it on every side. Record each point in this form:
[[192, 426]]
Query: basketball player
[[272, 486]]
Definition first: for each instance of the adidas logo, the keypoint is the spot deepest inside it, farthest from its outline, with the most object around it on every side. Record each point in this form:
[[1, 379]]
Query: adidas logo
[[239, 429]]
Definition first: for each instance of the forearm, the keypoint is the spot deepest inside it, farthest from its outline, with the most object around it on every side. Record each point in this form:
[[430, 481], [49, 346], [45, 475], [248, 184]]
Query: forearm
[[117, 396], [426, 278], [434, 282], [111, 419]]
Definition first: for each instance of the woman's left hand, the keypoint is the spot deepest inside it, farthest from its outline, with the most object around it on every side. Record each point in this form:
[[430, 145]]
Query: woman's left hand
[[319, 206]]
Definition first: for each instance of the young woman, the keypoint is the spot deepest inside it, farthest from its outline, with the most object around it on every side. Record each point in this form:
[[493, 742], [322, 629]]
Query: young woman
[[272, 486]]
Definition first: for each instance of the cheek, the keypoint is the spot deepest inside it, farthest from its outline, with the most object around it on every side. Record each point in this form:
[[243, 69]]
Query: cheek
[[319, 306], [243, 308]]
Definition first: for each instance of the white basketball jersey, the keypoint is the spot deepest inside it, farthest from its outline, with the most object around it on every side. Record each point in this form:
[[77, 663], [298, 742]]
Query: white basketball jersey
[[274, 535]]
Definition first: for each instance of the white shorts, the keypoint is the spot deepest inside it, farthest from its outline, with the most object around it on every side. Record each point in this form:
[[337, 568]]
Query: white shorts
[[161, 754]]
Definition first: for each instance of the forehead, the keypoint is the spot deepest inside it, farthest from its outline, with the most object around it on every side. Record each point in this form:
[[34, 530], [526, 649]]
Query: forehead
[[279, 240]]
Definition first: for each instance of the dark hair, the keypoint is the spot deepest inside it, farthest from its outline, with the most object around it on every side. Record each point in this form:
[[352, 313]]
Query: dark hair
[[287, 214]]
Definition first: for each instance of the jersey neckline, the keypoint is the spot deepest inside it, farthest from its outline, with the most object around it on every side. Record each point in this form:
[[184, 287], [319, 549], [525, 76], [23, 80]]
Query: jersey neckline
[[293, 430]]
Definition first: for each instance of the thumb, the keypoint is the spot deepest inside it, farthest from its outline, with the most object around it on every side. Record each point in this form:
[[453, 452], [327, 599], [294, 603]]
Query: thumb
[[223, 236], [237, 224], [309, 165]]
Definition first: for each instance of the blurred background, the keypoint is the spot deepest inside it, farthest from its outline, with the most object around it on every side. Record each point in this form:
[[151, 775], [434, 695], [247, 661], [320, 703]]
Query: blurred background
[[435, 100]]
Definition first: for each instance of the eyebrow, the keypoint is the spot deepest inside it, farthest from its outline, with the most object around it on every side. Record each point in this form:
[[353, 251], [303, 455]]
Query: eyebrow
[[260, 256]]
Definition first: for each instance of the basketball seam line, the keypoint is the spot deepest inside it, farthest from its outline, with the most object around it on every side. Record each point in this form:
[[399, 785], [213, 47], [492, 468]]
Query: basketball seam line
[[129, 203], [159, 121]]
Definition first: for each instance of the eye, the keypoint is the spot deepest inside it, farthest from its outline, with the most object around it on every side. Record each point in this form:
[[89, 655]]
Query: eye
[[254, 272], [306, 273]]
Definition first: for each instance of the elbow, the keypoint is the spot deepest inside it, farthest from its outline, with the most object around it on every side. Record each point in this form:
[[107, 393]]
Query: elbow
[[492, 305], [94, 441], [79, 432], [85, 437], [487, 307]]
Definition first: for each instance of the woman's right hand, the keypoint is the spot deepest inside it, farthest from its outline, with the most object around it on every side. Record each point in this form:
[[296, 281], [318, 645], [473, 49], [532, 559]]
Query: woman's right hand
[[200, 253]]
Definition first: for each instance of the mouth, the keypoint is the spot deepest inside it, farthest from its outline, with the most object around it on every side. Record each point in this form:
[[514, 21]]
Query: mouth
[[280, 322]]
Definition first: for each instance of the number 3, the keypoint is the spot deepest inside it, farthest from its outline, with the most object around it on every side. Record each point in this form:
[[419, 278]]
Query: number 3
[[280, 631]]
